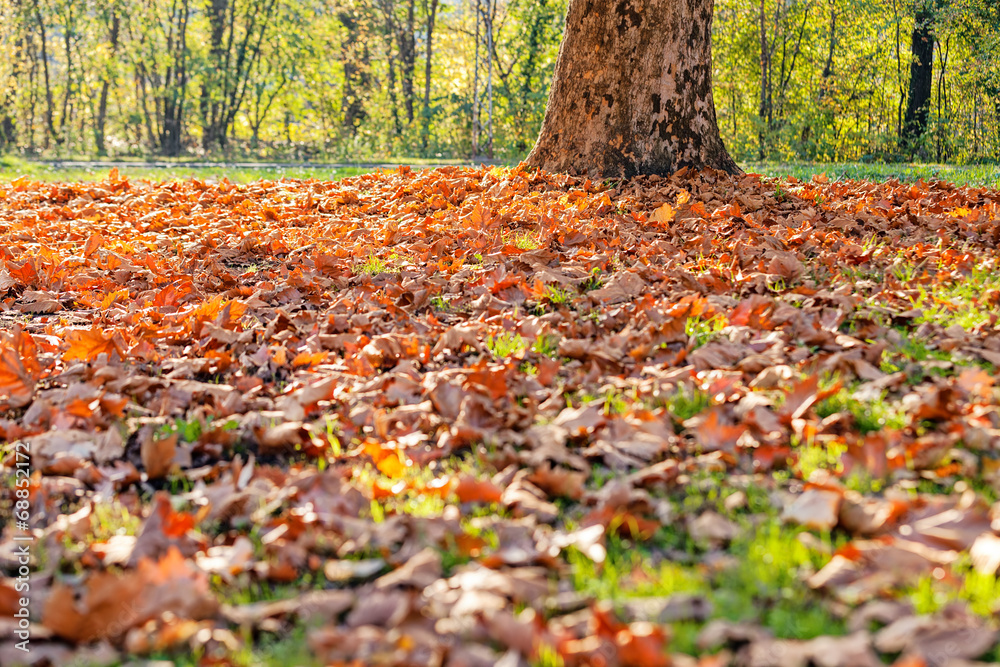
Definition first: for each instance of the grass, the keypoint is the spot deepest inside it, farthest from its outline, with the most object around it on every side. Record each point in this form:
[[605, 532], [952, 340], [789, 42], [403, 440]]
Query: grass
[[13, 167], [975, 175], [558, 295], [980, 592], [546, 345], [686, 403], [612, 402], [869, 416], [374, 265], [762, 582], [703, 330], [959, 302], [815, 456], [191, 430], [506, 344], [522, 240], [594, 281], [111, 519]]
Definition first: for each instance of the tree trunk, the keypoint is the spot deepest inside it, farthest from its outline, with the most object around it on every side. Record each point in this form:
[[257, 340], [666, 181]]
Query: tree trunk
[[832, 42], [388, 11], [217, 12], [50, 128], [431, 13], [354, 53], [68, 91], [114, 25], [407, 57], [765, 86], [632, 91], [921, 75]]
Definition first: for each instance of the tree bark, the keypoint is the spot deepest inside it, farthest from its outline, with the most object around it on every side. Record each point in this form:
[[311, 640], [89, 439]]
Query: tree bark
[[114, 25], [50, 128], [68, 91], [921, 75], [388, 12], [632, 91], [357, 78], [430, 9], [407, 57], [217, 11], [765, 86]]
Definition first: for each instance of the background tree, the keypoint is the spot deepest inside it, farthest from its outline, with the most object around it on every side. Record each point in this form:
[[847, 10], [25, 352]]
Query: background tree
[[368, 79], [918, 99], [237, 33]]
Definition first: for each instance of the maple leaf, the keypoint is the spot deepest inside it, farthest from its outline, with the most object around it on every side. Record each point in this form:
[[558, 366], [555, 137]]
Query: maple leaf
[[19, 368], [88, 344]]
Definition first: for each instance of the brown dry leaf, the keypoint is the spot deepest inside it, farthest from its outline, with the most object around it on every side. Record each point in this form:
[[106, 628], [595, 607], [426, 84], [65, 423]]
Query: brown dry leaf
[[559, 482], [817, 508], [712, 529], [420, 570], [620, 287], [583, 352], [802, 396], [158, 455], [112, 604]]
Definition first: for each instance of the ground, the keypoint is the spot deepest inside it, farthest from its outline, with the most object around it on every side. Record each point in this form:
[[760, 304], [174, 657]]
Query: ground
[[466, 416]]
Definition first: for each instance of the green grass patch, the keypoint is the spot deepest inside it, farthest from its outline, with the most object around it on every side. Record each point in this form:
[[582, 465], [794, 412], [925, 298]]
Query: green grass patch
[[546, 345], [374, 265], [761, 583], [703, 330], [819, 456], [976, 175], [869, 416], [686, 402], [557, 295], [506, 344], [12, 168], [959, 302]]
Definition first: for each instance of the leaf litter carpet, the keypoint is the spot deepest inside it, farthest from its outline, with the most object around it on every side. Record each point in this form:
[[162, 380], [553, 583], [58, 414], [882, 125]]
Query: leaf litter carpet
[[400, 414]]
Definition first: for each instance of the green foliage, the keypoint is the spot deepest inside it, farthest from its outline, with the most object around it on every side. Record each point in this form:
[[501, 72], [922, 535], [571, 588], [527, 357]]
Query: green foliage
[[557, 295], [958, 302], [546, 345], [686, 403], [506, 344], [761, 583], [190, 430], [869, 416], [316, 79], [703, 330], [375, 265], [593, 282]]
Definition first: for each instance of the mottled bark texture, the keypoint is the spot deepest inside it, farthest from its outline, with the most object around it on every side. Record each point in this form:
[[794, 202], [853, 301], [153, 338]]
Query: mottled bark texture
[[918, 102], [632, 92]]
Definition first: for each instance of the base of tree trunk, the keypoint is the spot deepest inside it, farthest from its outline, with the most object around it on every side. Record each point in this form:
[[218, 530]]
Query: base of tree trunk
[[632, 91]]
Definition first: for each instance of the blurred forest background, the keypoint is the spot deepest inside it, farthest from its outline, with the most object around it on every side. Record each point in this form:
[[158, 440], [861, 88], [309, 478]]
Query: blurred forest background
[[823, 80]]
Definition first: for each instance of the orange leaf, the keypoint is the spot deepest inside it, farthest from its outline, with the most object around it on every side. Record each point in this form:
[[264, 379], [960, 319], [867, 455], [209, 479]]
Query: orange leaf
[[472, 490], [309, 359], [88, 344], [93, 244], [19, 368], [642, 645], [387, 460], [664, 213]]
